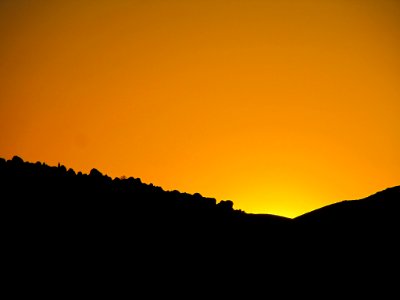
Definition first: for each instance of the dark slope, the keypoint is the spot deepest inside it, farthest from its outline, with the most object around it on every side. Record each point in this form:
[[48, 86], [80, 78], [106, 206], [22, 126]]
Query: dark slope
[[378, 211], [360, 237], [55, 203], [57, 191], [90, 228], [65, 230], [60, 200]]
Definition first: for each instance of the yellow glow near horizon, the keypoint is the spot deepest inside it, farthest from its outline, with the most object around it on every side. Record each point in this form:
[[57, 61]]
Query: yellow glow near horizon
[[280, 106]]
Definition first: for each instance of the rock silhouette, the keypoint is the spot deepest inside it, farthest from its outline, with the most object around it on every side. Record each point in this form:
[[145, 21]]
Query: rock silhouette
[[59, 221]]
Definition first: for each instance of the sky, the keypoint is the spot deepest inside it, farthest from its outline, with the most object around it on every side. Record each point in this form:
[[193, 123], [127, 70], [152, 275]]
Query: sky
[[280, 106]]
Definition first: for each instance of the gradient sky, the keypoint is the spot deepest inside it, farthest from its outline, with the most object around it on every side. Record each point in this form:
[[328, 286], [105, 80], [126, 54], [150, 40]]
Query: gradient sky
[[280, 106]]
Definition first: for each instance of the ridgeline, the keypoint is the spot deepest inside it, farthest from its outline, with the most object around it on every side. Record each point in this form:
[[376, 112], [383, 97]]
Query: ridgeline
[[56, 219]]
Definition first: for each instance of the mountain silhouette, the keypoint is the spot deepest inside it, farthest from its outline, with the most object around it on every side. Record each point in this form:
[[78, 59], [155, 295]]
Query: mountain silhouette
[[378, 210], [58, 220], [57, 194], [365, 226]]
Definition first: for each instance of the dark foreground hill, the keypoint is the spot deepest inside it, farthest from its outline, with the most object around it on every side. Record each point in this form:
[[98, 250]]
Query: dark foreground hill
[[89, 226], [61, 200]]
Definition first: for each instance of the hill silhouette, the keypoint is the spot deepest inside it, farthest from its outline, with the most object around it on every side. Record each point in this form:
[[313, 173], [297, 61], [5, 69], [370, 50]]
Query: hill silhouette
[[362, 227], [379, 211], [59, 195], [58, 219]]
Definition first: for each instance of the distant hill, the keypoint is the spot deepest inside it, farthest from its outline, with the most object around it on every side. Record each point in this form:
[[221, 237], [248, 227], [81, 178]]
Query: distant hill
[[374, 218], [380, 209]]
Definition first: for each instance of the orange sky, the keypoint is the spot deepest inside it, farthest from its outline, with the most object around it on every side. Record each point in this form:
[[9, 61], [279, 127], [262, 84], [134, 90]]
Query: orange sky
[[280, 106]]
